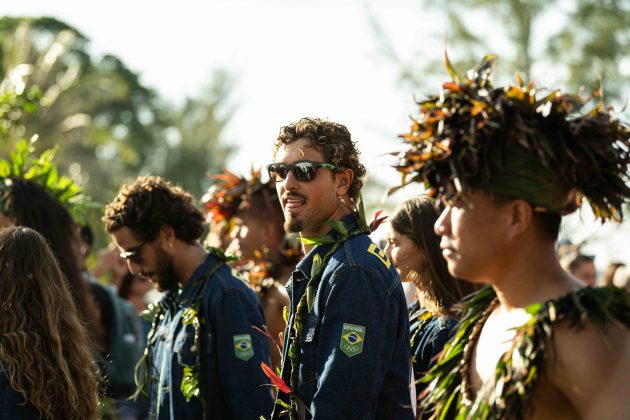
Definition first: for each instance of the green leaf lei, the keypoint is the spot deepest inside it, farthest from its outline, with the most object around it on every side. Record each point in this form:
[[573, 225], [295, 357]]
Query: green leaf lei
[[191, 315], [508, 395], [42, 171], [305, 305]]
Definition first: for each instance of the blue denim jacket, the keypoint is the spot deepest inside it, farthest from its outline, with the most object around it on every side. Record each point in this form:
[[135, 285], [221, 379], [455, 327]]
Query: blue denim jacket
[[231, 376], [429, 339], [346, 376], [12, 404]]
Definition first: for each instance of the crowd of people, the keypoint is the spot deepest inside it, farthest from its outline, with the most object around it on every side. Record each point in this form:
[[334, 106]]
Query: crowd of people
[[269, 299]]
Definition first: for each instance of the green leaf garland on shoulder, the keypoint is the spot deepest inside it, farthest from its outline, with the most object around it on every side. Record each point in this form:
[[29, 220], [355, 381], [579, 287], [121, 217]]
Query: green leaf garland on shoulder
[[507, 396]]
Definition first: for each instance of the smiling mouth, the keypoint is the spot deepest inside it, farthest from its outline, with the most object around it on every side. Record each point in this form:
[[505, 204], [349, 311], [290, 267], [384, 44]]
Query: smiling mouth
[[294, 203]]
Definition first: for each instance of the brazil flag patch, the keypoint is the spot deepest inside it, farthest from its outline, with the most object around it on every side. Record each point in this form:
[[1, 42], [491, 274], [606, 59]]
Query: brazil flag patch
[[243, 347], [352, 339]]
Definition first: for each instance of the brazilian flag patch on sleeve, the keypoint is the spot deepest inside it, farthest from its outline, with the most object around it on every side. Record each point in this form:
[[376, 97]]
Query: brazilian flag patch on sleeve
[[352, 337], [243, 347]]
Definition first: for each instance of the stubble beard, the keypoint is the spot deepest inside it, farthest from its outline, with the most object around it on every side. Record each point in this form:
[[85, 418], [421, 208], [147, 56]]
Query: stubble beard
[[292, 225], [167, 278]]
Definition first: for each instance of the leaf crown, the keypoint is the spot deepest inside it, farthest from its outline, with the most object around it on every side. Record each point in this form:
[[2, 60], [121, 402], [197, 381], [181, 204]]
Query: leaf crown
[[518, 143], [41, 170]]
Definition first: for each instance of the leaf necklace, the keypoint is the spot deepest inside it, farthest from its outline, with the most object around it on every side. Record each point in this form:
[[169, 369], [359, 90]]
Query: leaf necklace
[[305, 304], [191, 315]]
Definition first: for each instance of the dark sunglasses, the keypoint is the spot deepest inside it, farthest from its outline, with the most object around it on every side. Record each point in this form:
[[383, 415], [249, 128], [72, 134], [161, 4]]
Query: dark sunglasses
[[133, 255], [304, 170]]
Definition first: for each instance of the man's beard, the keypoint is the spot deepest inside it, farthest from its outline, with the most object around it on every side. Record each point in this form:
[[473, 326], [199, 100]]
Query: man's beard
[[166, 276], [293, 225]]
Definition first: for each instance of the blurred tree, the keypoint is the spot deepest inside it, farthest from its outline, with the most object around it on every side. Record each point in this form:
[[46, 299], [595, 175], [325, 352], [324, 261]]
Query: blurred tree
[[195, 147], [594, 44], [105, 122], [585, 40], [107, 125]]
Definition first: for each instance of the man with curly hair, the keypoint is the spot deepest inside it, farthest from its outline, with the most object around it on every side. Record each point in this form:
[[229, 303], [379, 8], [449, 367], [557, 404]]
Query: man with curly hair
[[508, 162], [346, 346], [201, 357]]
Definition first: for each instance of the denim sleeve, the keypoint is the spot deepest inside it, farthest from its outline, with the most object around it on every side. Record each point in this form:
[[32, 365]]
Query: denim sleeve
[[351, 382], [240, 350]]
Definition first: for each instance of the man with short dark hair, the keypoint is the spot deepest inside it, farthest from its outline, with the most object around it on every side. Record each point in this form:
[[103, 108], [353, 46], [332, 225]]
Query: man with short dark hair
[[346, 347], [508, 163], [202, 358]]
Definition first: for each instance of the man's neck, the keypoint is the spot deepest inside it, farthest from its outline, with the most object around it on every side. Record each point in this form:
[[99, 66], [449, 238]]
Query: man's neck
[[340, 212], [532, 275], [189, 258]]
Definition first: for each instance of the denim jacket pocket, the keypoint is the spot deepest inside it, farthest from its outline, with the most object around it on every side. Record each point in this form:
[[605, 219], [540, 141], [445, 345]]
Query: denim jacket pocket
[[307, 370], [186, 349], [309, 334]]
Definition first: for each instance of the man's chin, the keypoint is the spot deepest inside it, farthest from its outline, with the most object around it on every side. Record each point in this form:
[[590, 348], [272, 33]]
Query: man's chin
[[293, 225]]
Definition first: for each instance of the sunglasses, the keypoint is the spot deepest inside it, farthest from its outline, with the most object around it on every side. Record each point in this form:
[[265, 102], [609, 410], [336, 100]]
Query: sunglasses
[[304, 170], [134, 254]]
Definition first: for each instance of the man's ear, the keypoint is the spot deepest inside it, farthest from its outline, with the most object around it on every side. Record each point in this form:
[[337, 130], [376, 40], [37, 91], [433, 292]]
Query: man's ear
[[344, 181], [521, 214], [167, 236]]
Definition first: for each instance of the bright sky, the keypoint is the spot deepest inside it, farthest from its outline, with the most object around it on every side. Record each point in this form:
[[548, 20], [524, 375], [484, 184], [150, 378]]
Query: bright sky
[[294, 58]]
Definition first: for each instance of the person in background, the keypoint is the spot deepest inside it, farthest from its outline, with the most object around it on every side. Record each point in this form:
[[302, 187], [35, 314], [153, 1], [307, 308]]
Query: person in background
[[203, 358], [581, 266], [46, 367], [414, 248], [54, 210], [253, 219]]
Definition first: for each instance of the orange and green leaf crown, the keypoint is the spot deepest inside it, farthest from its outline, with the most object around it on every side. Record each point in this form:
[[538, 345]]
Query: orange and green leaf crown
[[518, 142]]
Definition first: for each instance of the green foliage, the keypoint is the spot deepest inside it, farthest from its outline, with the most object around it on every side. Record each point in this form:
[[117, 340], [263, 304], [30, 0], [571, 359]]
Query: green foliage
[[586, 40], [190, 382], [42, 171], [107, 126]]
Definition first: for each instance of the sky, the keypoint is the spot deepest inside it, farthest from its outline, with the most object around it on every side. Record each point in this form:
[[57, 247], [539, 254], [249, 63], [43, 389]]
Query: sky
[[292, 58]]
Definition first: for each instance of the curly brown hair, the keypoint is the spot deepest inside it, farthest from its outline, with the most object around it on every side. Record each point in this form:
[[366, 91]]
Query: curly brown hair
[[35, 208], [42, 341], [150, 203], [333, 140]]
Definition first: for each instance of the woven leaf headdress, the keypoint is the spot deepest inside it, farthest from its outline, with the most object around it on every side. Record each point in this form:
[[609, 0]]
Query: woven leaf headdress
[[519, 142]]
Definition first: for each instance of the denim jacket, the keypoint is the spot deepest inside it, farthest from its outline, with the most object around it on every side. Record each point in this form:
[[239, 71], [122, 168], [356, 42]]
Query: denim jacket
[[354, 349], [231, 351], [428, 339]]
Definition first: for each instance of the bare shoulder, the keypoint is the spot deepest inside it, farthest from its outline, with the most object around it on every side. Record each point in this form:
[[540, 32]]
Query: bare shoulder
[[590, 367]]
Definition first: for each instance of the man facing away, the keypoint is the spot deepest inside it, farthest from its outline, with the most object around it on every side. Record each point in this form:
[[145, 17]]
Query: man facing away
[[346, 346], [536, 343], [202, 358]]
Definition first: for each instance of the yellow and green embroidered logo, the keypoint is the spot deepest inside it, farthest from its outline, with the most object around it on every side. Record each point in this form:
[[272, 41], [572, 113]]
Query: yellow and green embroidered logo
[[243, 347], [380, 254], [352, 337]]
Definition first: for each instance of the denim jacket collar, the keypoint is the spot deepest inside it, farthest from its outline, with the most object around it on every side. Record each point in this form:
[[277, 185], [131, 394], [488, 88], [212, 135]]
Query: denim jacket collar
[[303, 268], [192, 287]]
